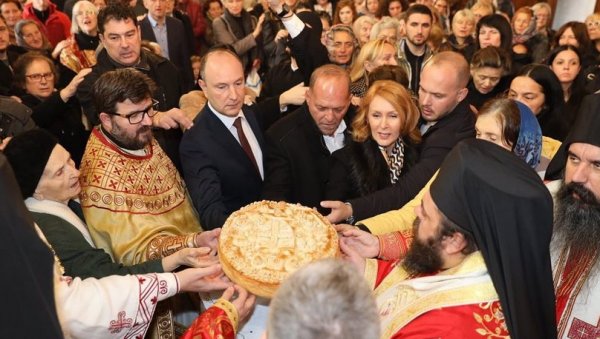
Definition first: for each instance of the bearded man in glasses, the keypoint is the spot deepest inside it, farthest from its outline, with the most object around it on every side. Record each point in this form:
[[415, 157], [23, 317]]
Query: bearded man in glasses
[[134, 201]]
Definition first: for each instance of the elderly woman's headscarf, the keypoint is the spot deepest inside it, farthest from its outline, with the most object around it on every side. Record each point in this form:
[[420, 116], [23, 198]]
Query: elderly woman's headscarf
[[529, 143]]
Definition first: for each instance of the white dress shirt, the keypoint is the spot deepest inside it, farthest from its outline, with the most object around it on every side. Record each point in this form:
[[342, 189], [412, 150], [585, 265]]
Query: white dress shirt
[[336, 141]]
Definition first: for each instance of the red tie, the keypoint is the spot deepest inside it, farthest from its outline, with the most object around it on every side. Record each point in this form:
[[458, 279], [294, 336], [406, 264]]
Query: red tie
[[244, 142]]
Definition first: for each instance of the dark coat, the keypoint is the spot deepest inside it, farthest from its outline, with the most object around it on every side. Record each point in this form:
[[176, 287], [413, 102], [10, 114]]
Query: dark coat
[[436, 143], [477, 99], [78, 257], [188, 29], [309, 52], [165, 75], [7, 87], [179, 50], [219, 175], [30, 288], [298, 162], [62, 119], [360, 169], [227, 32]]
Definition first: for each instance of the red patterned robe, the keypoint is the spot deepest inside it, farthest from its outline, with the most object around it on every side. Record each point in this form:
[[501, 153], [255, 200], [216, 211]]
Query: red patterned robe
[[219, 321], [460, 302]]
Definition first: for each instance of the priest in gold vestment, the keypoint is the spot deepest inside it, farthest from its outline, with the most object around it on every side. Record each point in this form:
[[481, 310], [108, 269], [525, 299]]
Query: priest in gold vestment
[[134, 201]]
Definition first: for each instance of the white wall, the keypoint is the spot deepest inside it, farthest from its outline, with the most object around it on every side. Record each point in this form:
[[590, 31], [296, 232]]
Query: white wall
[[572, 10]]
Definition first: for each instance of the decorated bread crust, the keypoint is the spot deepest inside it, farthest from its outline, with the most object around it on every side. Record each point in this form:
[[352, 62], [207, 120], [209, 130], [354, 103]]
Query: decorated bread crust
[[264, 242]]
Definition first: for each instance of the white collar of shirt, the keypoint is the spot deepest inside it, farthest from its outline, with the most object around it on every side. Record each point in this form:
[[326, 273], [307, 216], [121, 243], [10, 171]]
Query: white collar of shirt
[[336, 141], [153, 22], [226, 120], [426, 126]]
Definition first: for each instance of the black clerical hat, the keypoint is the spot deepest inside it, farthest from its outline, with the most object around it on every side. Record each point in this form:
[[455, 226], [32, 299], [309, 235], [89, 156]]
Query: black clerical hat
[[586, 129], [502, 202]]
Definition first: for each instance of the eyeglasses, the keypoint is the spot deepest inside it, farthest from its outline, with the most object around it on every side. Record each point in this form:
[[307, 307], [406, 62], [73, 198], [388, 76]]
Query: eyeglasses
[[593, 23], [81, 13], [137, 117], [37, 77]]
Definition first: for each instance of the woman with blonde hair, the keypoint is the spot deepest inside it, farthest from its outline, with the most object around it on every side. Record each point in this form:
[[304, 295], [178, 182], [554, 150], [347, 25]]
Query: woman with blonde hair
[[592, 23], [543, 15], [461, 38], [375, 53], [383, 144]]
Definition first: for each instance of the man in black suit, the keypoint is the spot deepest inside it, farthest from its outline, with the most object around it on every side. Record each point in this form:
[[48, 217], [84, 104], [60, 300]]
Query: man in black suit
[[170, 34], [223, 166], [445, 120], [300, 144]]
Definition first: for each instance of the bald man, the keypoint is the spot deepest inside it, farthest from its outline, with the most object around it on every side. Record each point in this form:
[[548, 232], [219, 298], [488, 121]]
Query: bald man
[[222, 155], [445, 120]]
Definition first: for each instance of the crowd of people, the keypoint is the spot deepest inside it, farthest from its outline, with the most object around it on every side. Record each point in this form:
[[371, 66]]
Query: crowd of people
[[455, 146]]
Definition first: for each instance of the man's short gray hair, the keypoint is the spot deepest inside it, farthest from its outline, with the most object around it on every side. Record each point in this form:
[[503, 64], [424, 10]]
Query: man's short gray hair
[[325, 299]]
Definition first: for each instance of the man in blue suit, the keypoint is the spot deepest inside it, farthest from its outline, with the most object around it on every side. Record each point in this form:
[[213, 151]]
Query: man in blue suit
[[222, 154]]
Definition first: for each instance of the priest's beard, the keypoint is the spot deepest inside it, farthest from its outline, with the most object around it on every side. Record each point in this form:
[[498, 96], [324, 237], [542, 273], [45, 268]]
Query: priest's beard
[[132, 140], [423, 256], [577, 219]]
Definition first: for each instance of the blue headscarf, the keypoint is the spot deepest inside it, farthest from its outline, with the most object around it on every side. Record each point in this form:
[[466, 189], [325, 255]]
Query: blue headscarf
[[529, 143]]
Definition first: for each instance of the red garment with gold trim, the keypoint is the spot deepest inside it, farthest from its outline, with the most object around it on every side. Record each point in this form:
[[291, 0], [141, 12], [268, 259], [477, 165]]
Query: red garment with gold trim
[[213, 323]]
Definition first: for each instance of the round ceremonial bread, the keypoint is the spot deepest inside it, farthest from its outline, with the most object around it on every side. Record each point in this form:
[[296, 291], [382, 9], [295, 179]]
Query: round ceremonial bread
[[264, 242]]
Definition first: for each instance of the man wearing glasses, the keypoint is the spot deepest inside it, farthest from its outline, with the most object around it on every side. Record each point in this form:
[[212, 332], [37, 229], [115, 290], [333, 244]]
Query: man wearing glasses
[[134, 201], [119, 33]]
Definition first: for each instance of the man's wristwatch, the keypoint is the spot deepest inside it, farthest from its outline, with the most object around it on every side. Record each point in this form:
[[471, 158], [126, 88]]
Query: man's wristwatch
[[285, 10], [350, 219]]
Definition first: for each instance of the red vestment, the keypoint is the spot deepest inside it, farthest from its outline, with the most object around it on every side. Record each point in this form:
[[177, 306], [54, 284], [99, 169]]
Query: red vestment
[[460, 302]]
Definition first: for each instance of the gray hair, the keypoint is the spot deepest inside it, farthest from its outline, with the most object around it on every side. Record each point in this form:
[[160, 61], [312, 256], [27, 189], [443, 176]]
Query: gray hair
[[19, 34], [325, 299], [358, 23], [344, 29], [74, 26], [385, 23]]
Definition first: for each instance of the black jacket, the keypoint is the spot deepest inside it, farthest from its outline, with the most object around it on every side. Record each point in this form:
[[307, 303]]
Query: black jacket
[[435, 145], [297, 161], [179, 50], [7, 87], [165, 75], [360, 169], [218, 174], [62, 119]]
